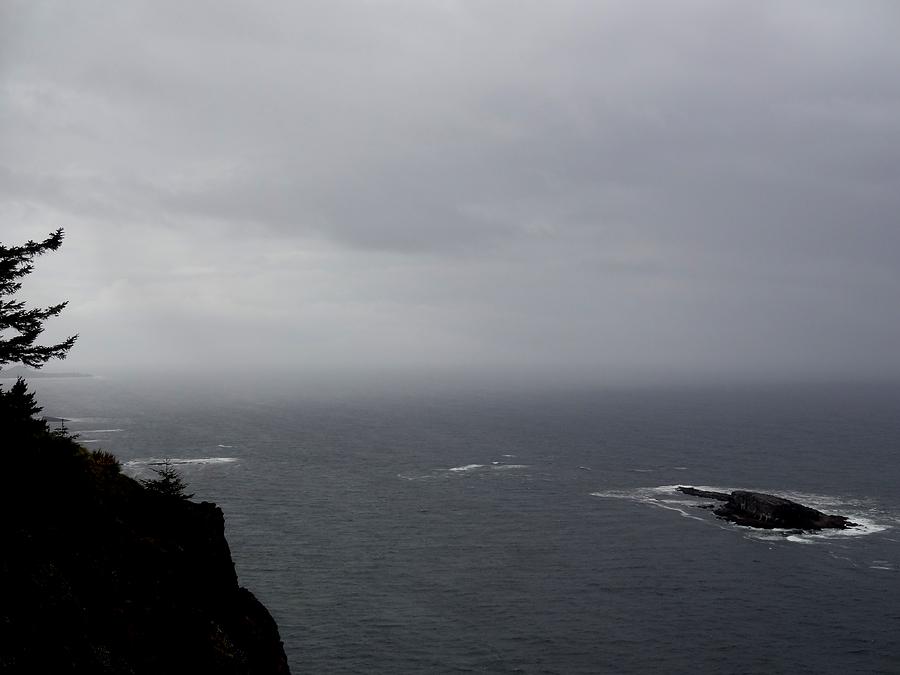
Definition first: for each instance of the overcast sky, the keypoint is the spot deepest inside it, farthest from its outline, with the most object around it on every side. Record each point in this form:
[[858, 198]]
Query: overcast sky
[[612, 186]]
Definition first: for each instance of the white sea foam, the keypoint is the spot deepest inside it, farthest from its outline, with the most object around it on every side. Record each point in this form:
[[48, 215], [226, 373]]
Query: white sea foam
[[224, 446], [669, 506], [653, 496], [798, 539], [862, 526], [156, 461], [466, 467]]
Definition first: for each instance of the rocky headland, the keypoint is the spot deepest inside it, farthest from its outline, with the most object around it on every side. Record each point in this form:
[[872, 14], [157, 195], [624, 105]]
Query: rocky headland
[[757, 509], [99, 574]]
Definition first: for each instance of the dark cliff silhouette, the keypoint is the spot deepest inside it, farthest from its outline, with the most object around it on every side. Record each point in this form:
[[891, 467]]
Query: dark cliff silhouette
[[99, 574]]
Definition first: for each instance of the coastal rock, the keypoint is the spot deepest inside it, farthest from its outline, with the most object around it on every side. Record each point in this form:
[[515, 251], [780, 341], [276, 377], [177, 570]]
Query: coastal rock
[[757, 509], [705, 494]]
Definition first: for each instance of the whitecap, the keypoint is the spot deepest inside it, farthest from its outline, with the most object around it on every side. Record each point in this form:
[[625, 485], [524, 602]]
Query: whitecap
[[155, 461], [224, 446], [466, 467], [502, 467]]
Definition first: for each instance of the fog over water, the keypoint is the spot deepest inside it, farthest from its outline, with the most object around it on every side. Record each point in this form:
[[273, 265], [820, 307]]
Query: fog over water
[[608, 188]]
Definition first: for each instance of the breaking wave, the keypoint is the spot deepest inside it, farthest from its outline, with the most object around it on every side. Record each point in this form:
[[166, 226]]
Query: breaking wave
[[467, 467], [156, 461], [462, 470]]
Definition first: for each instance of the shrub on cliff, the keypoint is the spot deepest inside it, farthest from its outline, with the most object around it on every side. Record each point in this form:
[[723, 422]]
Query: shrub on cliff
[[105, 463], [167, 483]]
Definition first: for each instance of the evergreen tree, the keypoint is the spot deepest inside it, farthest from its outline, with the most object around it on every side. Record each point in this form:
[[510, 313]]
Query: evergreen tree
[[17, 412], [168, 482], [26, 324]]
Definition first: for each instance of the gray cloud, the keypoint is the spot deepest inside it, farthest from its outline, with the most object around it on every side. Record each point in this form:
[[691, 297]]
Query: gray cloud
[[705, 186]]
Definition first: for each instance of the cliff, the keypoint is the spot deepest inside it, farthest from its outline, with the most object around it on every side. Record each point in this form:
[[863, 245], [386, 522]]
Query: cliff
[[100, 575]]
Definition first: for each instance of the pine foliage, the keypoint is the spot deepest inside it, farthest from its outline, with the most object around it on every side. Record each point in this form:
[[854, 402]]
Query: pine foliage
[[18, 409], [26, 325], [168, 482]]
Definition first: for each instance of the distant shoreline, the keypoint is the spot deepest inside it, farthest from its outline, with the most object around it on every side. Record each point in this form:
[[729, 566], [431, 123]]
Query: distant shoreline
[[19, 371]]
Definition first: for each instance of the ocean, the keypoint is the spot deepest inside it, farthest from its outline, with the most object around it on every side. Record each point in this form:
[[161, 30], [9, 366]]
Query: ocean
[[442, 525]]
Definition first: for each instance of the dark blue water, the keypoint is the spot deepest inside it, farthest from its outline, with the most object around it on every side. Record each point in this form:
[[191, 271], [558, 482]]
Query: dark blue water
[[400, 526]]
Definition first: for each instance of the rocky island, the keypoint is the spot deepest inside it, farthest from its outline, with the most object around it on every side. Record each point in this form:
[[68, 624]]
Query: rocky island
[[757, 509]]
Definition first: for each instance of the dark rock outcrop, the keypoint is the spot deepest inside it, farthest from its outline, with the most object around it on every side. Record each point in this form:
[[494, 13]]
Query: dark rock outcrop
[[100, 575], [705, 494], [757, 509]]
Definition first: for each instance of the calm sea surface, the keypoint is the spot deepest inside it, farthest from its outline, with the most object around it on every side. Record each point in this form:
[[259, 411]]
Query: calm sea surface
[[429, 527]]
